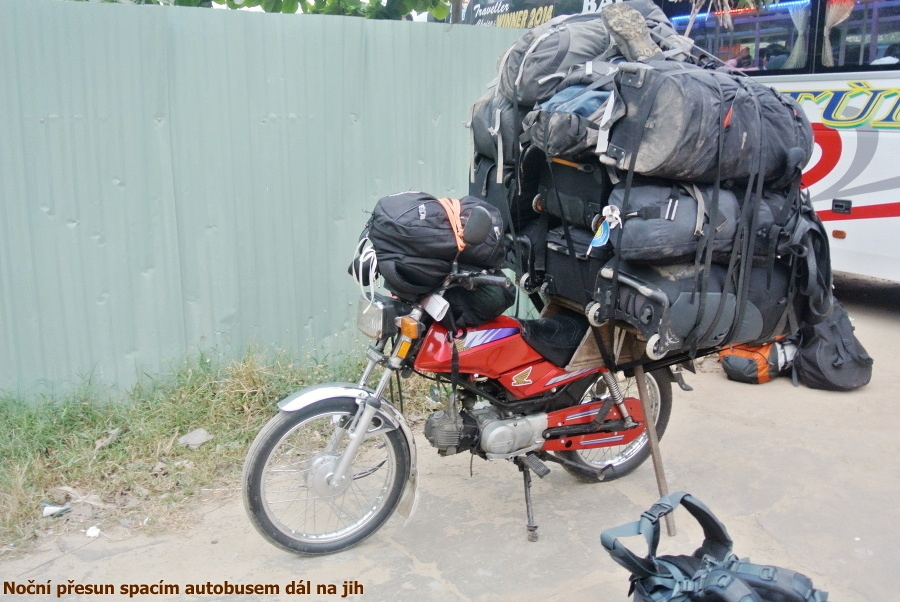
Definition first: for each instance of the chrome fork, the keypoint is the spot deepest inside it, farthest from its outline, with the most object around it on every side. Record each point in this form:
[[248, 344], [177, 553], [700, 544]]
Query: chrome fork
[[357, 430]]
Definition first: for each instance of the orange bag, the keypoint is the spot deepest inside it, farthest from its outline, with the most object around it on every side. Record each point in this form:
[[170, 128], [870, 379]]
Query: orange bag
[[753, 364]]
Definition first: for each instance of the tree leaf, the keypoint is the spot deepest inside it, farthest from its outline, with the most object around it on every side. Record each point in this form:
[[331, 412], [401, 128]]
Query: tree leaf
[[290, 6], [440, 11]]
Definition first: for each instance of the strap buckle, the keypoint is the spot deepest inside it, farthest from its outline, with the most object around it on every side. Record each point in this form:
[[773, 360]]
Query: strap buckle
[[657, 510]]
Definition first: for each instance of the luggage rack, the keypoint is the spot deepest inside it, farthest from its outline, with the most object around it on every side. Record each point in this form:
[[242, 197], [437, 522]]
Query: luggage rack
[[588, 355]]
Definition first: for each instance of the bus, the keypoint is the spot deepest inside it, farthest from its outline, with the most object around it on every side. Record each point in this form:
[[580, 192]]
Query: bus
[[840, 60]]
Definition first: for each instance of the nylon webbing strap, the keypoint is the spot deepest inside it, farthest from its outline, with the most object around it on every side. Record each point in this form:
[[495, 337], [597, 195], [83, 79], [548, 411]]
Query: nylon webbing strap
[[498, 133], [647, 99], [788, 585], [609, 360], [722, 585], [452, 207], [704, 251], [472, 153], [748, 243], [701, 209]]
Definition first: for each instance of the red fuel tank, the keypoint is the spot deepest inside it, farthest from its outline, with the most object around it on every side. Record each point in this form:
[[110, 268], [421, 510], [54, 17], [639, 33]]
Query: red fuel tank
[[496, 350], [490, 350]]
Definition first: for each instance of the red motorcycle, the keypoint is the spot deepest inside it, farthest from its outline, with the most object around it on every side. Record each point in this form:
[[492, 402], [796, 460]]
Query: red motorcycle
[[339, 459]]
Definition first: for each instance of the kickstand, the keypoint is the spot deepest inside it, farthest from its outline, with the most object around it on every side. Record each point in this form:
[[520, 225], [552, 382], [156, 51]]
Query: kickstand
[[526, 475]]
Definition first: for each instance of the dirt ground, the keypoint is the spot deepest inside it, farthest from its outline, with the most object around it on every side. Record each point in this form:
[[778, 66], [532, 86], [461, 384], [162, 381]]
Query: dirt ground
[[803, 479]]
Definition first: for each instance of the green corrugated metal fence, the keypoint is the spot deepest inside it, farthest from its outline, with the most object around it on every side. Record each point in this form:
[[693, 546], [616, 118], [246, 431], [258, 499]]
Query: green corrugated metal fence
[[174, 179]]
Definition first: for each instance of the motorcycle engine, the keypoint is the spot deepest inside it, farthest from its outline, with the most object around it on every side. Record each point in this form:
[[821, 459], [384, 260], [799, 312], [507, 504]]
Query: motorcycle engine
[[449, 434], [485, 428]]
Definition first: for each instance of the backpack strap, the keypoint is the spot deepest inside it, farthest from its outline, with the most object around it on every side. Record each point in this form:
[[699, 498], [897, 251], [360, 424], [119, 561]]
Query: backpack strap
[[703, 257], [719, 584], [788, 585], [648, 527], [716, 544], [472, 152], [810, 243], [702, 209], [721, 576], [611, 157], [605, 353], [453, 209], [675, 584], [497, 132]]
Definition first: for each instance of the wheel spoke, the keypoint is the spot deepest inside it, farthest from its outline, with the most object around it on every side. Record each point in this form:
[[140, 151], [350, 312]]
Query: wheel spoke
[[295, 481], [371, 471]]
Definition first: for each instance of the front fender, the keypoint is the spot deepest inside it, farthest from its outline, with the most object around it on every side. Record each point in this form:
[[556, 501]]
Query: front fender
[[388, 414], [301, 399]]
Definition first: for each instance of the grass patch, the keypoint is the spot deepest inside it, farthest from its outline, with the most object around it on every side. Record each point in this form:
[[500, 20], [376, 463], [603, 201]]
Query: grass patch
[[115, 459]]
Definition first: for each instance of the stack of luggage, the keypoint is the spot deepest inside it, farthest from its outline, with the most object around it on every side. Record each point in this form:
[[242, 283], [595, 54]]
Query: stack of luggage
[[648, 187]]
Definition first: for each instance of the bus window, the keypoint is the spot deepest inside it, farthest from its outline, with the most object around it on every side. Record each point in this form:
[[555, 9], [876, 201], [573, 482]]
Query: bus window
[[775, 36], [861, 33]]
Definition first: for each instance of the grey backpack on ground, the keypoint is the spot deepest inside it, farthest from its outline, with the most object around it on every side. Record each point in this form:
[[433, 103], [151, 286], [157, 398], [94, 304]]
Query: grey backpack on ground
[[711, 574]]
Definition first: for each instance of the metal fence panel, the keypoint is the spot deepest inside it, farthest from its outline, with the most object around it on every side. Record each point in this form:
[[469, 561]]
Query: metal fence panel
[[176, 179]]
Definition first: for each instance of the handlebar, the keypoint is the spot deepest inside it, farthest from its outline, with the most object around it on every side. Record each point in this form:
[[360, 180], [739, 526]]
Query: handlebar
[[470, 279], [492, 280]]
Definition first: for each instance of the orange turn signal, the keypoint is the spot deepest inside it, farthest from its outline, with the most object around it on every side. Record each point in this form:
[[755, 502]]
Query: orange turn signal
[[840, 234], [410, 327]]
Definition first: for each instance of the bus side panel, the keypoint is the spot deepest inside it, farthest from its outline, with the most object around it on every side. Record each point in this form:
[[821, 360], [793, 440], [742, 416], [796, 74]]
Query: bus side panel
[[852, 176]]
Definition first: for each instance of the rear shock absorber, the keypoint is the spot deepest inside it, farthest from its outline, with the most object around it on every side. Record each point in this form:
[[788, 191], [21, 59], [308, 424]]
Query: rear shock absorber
[[612, 385]]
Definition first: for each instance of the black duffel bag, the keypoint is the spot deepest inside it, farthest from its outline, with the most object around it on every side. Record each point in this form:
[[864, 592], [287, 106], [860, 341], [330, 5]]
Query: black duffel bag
[[663, 222], [678, 114]]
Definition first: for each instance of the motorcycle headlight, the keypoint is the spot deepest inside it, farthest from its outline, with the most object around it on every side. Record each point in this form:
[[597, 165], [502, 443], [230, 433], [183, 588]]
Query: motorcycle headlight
[[375, 317]]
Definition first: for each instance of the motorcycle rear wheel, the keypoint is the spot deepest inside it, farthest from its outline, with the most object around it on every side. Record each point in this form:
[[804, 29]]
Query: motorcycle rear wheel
[[620, 460], [285, 480]]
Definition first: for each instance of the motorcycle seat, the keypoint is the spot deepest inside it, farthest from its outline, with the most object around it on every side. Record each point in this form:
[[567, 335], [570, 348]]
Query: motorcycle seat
[[556, 337]]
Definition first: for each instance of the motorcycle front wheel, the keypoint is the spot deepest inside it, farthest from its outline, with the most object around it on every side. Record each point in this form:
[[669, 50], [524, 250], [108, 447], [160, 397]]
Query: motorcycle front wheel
[[286, 486], [616, 461]]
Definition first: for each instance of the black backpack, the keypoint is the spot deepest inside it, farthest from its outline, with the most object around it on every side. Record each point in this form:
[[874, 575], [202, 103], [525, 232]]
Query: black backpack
[[416, 240], [829, 355], [711, 574]]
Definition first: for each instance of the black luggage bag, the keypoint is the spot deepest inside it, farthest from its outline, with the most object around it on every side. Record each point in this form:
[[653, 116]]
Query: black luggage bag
[[574, 280], [573, 190], [670, 307]]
